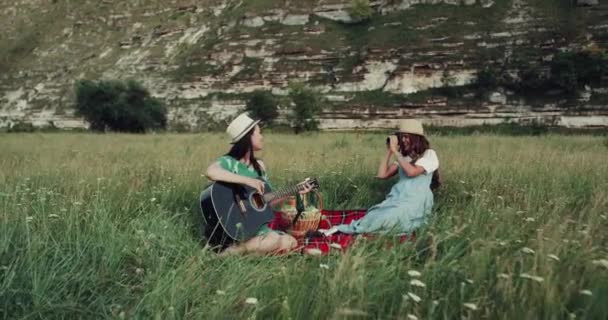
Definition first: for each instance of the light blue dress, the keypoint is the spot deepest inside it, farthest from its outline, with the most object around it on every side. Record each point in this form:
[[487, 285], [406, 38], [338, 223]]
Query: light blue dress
[[405, 208]]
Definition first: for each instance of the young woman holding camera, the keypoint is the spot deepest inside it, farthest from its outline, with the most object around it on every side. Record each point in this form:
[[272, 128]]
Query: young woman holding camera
[[411, 198]]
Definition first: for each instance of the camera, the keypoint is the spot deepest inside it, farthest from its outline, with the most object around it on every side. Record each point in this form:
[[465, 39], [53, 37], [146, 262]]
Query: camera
[[388, 139]]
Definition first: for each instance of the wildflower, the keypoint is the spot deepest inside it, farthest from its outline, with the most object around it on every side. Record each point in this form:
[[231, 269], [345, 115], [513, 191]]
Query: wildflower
[[531, 277], [470, 281], [336, 246], [417, 283], [601, 262], [414, 273], [153, 199], [324, 266], [314, 252], [411, 317], [251, 300], [586, 292], [554, 257], [470, 305], [414, 297], [527, 250], [528, 219], [220, 292], [461, 181], [139, 271]]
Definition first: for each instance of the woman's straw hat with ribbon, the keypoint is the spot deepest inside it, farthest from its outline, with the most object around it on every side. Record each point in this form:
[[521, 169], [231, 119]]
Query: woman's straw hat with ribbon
[[412, 126], [239, 127]]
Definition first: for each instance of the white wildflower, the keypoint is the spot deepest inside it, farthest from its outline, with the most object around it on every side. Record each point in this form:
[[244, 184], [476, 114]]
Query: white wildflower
[[554, 257], [529, 219], [251, 300], [527, 250], [601, 262], [586, 292], [336, 246], [220, 292], [324, 266], [532, 277], [470, 305], [417, 283], [139, 271], [414, 297], [414, 273], [411, 316], [153, 199], [314, 252], [461, 181], [470, 281]]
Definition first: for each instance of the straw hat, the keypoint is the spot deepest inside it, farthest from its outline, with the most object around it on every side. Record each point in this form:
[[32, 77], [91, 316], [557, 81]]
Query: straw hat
[[412, 126], [240, 126]]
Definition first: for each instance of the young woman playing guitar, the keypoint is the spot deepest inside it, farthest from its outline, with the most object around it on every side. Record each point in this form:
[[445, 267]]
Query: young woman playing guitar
[[240, 166]]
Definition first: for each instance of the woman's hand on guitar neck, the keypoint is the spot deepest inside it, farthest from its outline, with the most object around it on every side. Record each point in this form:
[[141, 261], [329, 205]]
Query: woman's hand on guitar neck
[[255, 184], [306, 187]]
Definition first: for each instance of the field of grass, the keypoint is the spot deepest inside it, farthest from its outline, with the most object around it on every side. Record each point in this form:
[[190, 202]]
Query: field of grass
[[104, 226]]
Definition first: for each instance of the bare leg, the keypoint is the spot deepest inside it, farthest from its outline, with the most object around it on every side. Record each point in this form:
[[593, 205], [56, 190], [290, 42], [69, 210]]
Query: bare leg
[[269, 243]]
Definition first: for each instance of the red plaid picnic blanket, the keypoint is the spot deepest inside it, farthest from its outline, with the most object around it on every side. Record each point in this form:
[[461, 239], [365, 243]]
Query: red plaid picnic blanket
[[337, 241]]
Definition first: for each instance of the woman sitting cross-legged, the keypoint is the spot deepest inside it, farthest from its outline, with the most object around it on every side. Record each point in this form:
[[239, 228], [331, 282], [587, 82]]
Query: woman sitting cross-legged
[[240, 166], [410, 199]]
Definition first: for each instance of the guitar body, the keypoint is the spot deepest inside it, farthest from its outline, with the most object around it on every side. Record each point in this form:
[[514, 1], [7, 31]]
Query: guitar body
[[239, 211]]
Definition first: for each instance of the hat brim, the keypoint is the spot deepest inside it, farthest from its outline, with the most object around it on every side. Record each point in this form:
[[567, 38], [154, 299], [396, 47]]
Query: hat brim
[[408, 132], [244, 132]]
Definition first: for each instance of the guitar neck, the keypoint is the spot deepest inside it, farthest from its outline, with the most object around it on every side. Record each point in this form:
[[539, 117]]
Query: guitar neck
[[289, 191]]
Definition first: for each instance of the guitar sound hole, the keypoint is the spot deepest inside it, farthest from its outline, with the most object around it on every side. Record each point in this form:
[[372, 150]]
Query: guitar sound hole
[[257, 201]]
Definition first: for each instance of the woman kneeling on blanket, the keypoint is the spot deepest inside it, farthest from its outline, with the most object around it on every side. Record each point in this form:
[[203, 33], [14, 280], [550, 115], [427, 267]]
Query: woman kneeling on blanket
[[410, 199], [240, 166]]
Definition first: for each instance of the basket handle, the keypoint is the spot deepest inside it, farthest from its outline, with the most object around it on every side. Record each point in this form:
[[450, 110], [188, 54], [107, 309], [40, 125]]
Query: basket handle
[[304, 202]]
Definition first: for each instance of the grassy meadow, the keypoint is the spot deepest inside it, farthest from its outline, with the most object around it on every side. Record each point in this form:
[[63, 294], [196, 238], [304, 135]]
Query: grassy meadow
[[106, 226]]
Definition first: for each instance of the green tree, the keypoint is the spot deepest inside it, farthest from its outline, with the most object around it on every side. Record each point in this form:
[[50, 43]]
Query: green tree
[[119, 106], [307, 104], [263, 106]]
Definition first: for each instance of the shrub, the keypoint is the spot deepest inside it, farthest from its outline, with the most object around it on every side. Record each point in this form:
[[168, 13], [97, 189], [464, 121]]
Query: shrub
[[360, 10], [263, 106], [119, 106], [306, 106]]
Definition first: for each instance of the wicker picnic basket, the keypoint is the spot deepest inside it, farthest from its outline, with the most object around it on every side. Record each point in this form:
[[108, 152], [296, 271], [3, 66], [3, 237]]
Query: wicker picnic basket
[[308, 220]]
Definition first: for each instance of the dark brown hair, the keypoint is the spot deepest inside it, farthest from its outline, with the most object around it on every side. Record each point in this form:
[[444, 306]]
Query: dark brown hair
[[417, 146], [240, 148]]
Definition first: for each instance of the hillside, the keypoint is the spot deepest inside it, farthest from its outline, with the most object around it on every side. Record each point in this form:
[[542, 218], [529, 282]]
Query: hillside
[[203, 58]]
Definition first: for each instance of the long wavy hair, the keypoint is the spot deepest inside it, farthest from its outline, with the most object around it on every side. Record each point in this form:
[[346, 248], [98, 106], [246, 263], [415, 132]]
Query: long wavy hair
[[240, 149], [418, 145]]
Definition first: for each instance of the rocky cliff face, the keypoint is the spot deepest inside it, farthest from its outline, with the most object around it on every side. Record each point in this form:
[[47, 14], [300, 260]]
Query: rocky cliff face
[[202, 58]]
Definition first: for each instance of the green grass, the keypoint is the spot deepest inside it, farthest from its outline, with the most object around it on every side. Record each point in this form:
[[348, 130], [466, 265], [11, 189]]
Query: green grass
[[103, 226]]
